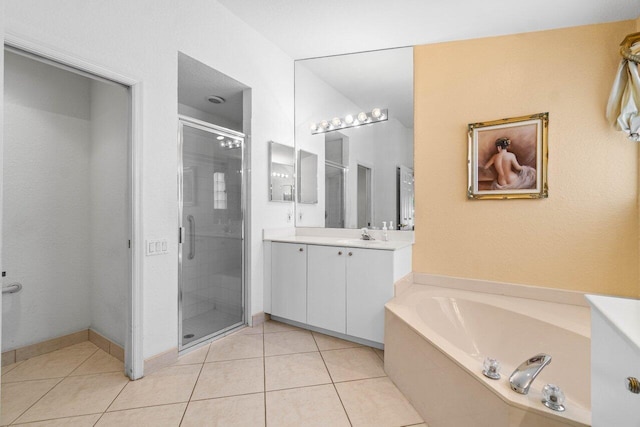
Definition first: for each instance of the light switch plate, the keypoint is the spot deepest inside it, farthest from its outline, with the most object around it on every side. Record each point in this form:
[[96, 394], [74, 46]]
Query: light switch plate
[[156, 247]]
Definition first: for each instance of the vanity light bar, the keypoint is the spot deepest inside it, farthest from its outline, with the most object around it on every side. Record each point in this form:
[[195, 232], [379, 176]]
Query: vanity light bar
[[375, 116], [229, 144]]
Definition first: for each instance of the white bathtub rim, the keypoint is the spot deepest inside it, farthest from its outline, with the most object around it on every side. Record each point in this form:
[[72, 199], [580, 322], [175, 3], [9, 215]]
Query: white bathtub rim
[[575, 413], [516, 290]]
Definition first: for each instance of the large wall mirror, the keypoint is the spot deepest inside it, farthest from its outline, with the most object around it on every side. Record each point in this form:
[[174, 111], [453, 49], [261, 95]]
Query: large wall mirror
[[355, 112]]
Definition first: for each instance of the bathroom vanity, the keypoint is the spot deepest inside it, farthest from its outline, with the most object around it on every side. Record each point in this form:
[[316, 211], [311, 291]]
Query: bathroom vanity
[[615, 357], [334, 284]]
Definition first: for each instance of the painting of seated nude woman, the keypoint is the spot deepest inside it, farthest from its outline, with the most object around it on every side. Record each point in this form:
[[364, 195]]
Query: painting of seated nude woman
[[506, 158]]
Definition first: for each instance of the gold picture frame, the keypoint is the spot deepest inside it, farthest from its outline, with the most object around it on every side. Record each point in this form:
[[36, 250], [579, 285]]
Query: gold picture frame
[[508, 158]]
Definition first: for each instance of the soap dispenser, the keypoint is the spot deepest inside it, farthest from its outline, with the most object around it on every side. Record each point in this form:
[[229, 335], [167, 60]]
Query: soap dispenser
[[385, 236]]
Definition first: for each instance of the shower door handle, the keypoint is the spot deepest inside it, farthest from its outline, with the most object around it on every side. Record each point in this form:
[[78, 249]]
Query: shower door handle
[[192, 236]]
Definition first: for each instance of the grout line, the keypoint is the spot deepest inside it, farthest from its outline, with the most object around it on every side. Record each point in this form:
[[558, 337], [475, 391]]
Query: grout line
[[264, 370], [53, 419], [333, 383], [86, 360], [119, 393], [194, 386], [34, 403]]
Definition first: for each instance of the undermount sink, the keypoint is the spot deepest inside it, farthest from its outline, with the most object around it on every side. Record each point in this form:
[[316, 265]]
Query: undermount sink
[[359, 242]]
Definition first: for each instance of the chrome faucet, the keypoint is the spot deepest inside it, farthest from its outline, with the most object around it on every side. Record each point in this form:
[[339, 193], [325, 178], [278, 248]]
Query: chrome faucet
[[528, 370], [365, 235]]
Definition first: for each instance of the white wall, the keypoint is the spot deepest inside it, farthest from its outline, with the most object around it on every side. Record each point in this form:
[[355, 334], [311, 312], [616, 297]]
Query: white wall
[[211, 34], [140, 40], [46, 202], [109, 215]]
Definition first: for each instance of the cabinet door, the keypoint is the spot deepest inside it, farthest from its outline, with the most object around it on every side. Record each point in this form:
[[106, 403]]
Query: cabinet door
[[369, 287], [289, 281], [326, 292]]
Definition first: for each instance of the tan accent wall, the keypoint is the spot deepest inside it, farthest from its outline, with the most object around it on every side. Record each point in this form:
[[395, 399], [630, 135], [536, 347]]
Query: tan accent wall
[[585, 235]]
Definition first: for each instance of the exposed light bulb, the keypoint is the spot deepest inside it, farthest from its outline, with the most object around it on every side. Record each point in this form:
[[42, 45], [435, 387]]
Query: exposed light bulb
[[222, 144], [324, 124], [313, 127], [336, 121], [362, 117], [376, 113], [348, 119]]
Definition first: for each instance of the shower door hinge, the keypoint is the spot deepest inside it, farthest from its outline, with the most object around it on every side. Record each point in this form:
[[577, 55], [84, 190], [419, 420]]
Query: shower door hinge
[[129, 244]]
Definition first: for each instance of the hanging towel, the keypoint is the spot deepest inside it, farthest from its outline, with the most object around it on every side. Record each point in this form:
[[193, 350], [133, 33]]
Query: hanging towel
[[624, 101]]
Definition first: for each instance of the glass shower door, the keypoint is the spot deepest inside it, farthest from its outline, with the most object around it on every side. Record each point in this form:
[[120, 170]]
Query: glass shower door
[[211, 251]]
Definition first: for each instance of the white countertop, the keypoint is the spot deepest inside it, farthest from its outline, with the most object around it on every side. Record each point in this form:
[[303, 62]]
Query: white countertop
[[622, 313], [341, 238]]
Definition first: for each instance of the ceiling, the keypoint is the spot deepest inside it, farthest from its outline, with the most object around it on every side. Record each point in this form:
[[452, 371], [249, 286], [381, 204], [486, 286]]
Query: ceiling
[[197, 82], [313, 29], [305, 28]]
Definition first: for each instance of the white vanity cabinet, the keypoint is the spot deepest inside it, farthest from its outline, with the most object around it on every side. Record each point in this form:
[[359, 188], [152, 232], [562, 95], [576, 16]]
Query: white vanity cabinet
[[615, 361], [336, 288], [289, 281], [369, 287], [327, 287]]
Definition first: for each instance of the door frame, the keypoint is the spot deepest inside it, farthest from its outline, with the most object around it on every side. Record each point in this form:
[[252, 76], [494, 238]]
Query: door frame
[[134, 358], [209, 127]]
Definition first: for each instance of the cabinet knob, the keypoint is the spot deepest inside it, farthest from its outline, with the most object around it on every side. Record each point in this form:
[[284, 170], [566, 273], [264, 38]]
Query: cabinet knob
[[339, 252], [633, 385], [350, 253], [301, 249]]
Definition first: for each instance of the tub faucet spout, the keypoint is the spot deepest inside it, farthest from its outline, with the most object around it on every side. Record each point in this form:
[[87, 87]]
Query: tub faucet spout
[[528, 370]]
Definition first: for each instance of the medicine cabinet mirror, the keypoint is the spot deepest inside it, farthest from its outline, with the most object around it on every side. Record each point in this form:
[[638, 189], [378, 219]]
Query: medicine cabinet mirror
[[307, 177], [355, 112], [281, 176]]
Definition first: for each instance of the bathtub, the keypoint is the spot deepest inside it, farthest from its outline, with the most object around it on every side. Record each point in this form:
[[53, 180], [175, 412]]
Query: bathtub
[[436, 340]]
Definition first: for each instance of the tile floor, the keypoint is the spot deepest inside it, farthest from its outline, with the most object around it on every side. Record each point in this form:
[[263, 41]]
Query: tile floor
[[274, 375]]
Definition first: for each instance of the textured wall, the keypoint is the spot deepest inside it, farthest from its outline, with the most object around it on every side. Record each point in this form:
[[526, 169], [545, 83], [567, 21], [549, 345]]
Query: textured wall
[[585, 235]]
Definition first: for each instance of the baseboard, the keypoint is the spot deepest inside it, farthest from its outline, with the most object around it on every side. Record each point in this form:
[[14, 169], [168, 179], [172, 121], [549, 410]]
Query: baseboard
[[106, 345], [161, 360], [32, 350], [259, 318]]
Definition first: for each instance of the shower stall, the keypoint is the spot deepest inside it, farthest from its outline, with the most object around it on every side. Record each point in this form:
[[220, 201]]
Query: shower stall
[[211, 256]]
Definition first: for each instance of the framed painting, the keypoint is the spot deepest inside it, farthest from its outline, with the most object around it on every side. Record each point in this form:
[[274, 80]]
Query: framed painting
[[508, 158]]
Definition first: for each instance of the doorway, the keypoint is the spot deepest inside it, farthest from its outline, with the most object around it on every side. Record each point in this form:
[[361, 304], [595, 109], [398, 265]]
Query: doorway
[[211, 257], [364, 196], [67, 210]]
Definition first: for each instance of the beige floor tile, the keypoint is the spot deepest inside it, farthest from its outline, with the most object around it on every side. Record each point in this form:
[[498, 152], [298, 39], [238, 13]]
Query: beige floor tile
[[99, 363], [56, 364], [169, 385], [274, 326], [327, 342], [257, 329], [236, 347], [353, 364], [246, 410], [194, 357], [81, 421], [7, 368], [376, 402], [83, 395], [380, 353], [230, 378], [288, 342], [164, 415], [307, 406], [295, 370], [18, 397]]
